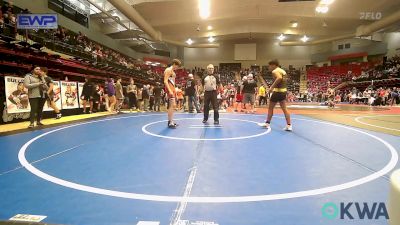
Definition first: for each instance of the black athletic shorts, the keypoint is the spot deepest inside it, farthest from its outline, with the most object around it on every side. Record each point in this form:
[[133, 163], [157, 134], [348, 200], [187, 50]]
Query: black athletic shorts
[[278, 96], [86, 97]]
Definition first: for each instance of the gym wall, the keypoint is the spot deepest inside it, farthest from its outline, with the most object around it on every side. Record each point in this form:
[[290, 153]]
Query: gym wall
[[393, 42], [297, 56]]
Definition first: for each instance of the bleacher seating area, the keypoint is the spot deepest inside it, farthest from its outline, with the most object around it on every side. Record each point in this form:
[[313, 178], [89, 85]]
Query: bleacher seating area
[[363, 81], [67, 55], [318, 77], [388, 70], [21, 49], [359, 75]]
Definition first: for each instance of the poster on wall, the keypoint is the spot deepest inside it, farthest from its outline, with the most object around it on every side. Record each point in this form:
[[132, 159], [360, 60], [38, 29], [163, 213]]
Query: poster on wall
[[80, 88], [56, 97], [69, 95], [16, 95]]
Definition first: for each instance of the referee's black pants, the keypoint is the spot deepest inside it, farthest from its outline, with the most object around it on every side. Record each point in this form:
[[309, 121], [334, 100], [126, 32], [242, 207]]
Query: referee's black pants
[[211, 97]]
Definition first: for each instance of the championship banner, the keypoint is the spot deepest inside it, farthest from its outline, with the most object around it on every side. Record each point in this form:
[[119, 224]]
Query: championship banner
[[56, 97], [16, 95], [80, 88], [69, 95]]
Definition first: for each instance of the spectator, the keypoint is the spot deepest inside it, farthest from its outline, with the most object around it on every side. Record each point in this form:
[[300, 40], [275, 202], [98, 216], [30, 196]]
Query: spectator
[[36, 95], [87, 93], [394, 96], [111, 94], [151, 93], [140, 99], [119, 94], [157, 97], [249, 90], [190, 91], [262, 95], [96, 97], [131, 90], [146, 97]]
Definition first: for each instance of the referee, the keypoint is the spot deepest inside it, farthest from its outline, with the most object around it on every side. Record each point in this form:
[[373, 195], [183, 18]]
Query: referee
[[211, 84]]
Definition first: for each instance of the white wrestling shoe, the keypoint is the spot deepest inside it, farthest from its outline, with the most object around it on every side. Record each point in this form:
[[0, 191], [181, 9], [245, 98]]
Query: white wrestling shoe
[[288, 128], [264, 125]]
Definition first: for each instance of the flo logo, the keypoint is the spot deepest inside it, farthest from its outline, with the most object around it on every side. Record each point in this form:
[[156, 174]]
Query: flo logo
[[370, 15], [355, 210]]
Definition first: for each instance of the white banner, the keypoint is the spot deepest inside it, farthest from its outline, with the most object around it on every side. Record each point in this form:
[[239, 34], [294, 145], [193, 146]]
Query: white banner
[[69, 95], [16, 95], [56, 96], [80, 88]]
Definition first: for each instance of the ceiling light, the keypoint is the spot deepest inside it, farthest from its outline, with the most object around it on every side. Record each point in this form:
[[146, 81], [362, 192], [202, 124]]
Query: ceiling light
[[294, 23], [204, 8], [326, 2], [304, 38], [322, 9], [281, 37], [211, 39], [209, 28], [189, 41]]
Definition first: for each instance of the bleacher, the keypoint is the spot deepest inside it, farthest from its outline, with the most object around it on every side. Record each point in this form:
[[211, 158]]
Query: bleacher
[[64, 52], [318, 77]]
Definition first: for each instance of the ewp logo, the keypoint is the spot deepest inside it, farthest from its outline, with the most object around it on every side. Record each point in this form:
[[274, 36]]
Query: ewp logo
[[37, 21], [375, 211]]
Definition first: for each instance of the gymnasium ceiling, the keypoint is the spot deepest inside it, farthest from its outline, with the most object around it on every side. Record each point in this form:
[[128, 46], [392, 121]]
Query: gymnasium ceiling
[[252, 19]]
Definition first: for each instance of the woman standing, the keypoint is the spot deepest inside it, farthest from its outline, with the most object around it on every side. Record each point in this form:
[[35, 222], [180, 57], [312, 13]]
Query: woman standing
[[131, 90], [36, 94]]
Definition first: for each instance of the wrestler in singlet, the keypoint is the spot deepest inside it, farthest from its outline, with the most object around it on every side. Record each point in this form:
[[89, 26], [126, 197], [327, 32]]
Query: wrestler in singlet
[[280, 91], [169, 82]]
